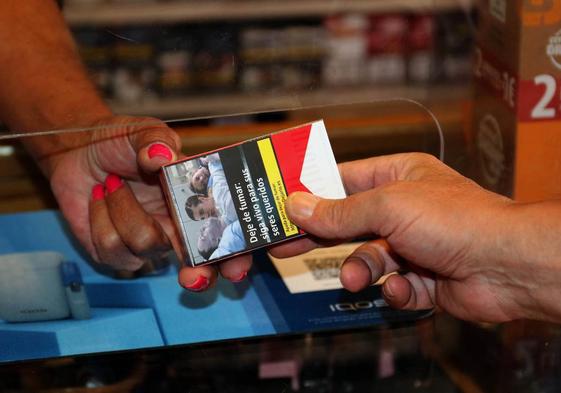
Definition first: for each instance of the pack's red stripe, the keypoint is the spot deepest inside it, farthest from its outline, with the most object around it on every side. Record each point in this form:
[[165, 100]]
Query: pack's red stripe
[[290, 149]]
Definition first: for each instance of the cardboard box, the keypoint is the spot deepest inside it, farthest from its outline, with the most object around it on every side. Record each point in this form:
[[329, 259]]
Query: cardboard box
[[517, 117]]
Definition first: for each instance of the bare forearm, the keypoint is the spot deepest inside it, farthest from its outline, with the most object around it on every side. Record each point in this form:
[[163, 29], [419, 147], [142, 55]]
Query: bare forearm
[[43, 83], [534, 258]]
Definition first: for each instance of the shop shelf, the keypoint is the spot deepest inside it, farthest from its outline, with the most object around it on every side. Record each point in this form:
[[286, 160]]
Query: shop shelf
[[221, 10], [233, 103]]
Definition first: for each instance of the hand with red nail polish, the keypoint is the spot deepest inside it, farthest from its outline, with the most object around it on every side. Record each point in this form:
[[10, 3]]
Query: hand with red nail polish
[[124, 223], [109, 191], [103, 177]]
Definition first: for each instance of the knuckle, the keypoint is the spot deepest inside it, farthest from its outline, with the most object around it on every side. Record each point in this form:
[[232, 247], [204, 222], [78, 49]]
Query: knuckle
[[370, 253], [142, 130], [160, 131], [424, 158], [384, 197], [421, 165], [143, 123], [175, 138], [131, 264], [109, 243], [146, 240], [334, 215], [166, 135], [387, 205]]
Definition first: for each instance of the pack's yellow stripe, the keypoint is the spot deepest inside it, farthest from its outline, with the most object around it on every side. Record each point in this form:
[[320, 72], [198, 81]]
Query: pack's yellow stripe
[[277, 186]]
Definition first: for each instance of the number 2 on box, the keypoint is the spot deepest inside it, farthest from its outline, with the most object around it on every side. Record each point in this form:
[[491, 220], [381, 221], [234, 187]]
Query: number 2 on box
[[542, 110]]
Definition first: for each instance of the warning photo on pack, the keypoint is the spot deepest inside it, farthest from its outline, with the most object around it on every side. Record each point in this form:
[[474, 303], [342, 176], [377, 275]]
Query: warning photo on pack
[[231, 201]]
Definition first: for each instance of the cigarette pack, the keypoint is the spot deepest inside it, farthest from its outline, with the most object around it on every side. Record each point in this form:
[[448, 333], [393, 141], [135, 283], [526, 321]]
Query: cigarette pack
[[231, 201]]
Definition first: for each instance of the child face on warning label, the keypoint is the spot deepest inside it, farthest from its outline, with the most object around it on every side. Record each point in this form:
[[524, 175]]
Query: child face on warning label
[[199, 180], [209, 236], [199, 207]]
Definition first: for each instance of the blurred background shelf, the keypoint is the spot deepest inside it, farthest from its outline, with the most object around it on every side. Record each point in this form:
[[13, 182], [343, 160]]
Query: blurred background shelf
[[179, 59], [356, 131], [237, 103], [221, 10], [300, 59]]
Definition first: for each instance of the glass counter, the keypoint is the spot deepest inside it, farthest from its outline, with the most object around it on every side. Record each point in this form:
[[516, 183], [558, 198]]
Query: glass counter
[[385, 78], [439, 354]]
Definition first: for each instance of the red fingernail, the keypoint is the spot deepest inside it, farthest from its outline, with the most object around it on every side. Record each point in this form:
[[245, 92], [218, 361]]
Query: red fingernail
[[240, 278], [98, 192], [160, 150], [113, 183], [200, 284]]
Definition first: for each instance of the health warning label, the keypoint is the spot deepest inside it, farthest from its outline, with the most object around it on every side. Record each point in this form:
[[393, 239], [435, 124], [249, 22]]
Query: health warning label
[[233, 200]]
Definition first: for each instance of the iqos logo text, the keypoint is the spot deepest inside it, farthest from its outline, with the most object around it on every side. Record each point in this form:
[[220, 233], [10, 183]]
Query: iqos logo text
[[357, 306]]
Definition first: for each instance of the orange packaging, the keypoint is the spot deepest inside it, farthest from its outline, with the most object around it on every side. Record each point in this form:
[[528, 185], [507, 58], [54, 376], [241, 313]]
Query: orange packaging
[[517, 116]]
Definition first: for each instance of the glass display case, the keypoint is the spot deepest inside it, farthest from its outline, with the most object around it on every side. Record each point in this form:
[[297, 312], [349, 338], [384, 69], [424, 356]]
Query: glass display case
[[439, 354], [385, 77]]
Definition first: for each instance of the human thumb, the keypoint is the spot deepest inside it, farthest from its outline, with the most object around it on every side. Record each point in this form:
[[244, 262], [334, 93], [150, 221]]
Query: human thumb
[[330, 218], [155, 145]]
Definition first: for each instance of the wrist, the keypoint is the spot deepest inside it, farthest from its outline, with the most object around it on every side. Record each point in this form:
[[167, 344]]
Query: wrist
[[531, 258], [68, 109], [49, 150]]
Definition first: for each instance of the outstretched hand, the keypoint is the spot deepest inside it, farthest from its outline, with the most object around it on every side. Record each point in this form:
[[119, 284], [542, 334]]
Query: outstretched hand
[[445, 230], [108, 189]]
